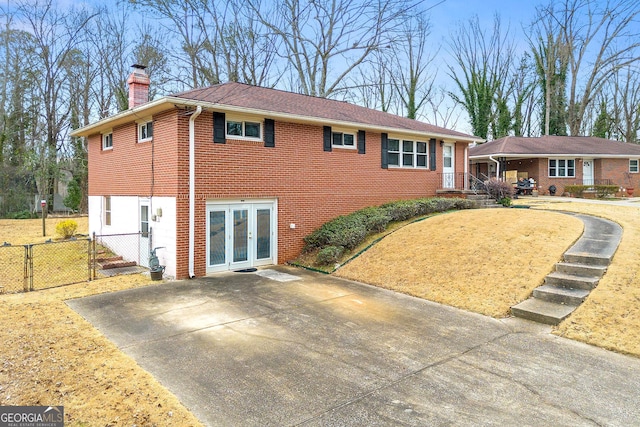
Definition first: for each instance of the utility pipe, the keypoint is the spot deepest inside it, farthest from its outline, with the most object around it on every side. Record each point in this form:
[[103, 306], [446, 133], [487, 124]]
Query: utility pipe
[[192, 189], [497, 166]]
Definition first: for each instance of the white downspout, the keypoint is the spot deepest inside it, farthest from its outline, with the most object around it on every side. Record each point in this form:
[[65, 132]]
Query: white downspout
[[497, 166], [466, 167], [192, 189]]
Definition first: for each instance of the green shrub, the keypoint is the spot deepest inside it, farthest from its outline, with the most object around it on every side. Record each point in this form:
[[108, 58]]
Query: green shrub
[[349, 231], [576, 190], [74, 195], [26, 214], [329, 255], [505, 201], [401, 210], [603, 191], [67, 228]]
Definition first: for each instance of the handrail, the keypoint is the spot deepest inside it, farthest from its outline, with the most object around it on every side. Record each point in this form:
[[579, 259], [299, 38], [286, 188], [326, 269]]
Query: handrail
[[477, 185]]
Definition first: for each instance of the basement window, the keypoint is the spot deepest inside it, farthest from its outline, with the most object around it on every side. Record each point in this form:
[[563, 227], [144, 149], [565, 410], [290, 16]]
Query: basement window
[[107, 210]]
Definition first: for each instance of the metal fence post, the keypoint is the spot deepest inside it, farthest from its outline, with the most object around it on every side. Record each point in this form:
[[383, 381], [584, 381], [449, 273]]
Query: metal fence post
[[89, 258], [93, 252], [25, 285]]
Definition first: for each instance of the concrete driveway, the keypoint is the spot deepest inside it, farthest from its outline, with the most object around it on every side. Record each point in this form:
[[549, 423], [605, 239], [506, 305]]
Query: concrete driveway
[[291, 347]]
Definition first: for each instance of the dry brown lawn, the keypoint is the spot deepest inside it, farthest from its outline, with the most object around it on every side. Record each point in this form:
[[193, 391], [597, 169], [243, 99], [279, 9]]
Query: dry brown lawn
[[479, 260], [52, 356], [610, 317]]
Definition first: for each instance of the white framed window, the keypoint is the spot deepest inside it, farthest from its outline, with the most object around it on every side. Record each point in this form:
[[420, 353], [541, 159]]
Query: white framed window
[[562, 168], [343, 140], [407, 153], [237, 129], [107, 141], [633, 166], [145, 131], [107, 210]]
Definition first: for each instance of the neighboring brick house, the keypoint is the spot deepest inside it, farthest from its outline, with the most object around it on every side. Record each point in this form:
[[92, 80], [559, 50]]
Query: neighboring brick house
[[558, 161], [234, 176]]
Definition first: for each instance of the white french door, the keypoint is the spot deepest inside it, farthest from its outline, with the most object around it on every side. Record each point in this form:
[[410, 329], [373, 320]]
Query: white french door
[[240, 235]]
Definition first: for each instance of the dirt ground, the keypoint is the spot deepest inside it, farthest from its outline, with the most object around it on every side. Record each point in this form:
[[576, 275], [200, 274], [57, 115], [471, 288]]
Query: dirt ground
[[52, 356]]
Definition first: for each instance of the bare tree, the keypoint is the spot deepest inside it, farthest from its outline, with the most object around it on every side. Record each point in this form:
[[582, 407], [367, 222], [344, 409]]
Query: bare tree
[[482, 71], [600, 38], [326, 40], [410, 70], [626, 104], [56, 36]]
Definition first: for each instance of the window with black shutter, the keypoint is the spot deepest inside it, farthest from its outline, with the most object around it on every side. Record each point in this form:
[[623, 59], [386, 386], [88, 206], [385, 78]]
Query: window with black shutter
[[219, 131]]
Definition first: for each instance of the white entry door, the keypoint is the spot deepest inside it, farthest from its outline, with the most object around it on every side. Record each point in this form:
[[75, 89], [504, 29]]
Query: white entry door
[[587, 172], [448, 168], [144, 249], [240, 236]]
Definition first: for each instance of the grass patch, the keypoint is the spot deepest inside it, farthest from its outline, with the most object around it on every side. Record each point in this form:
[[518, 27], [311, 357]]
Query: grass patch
[[610, 316], [308, 258], [52, 356], [479, 260]]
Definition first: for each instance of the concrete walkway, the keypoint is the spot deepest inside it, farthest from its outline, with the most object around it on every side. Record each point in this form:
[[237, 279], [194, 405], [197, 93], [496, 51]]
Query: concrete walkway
[[583, 265], [291, 347]]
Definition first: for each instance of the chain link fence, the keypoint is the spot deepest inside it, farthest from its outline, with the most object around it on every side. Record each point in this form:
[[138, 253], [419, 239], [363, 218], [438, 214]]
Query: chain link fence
[[115, 254], [46, 265]]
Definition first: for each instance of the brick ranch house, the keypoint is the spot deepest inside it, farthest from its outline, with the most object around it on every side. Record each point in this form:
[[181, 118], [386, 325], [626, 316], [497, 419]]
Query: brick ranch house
[[558, 160], [235, 176]]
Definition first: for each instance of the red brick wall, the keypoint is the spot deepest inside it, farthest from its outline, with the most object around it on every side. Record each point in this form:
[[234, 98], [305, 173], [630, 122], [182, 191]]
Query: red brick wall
[[612, 169], [126, 169], [311, 185]]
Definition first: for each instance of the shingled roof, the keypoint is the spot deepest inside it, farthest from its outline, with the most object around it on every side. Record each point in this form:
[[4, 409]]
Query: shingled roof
[[551, 145], [278, 101]]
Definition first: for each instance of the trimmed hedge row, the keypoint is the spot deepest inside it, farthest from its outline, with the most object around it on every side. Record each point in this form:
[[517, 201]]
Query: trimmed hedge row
[[601, 190], [348, 231]]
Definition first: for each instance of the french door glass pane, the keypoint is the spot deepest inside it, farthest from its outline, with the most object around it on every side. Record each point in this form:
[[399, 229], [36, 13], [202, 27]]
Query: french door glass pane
[[216, 237], [263, 226], [240, 233]]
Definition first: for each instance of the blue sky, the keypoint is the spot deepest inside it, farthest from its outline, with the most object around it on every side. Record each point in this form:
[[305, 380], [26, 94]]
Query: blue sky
[[514, 14]]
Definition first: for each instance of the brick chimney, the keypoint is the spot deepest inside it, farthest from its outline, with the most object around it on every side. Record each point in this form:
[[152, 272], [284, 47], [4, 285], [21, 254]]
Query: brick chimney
[[138, 82]]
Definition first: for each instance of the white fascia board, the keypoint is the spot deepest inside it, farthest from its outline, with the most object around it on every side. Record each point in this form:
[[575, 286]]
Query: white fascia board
[[169, 102], [555, 155]]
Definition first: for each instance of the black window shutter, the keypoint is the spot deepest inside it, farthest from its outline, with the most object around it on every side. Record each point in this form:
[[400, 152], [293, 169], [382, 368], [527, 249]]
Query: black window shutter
[[385, 151], [218, 128], [361, 142], [327, 138], [432, 154], [269, 133]]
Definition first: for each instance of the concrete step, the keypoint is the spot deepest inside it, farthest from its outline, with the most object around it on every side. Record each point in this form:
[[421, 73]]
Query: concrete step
[[580, 269], [571, 281], [479, 197], [560, 295], [118, 264], [542, 311], [588, 259]]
